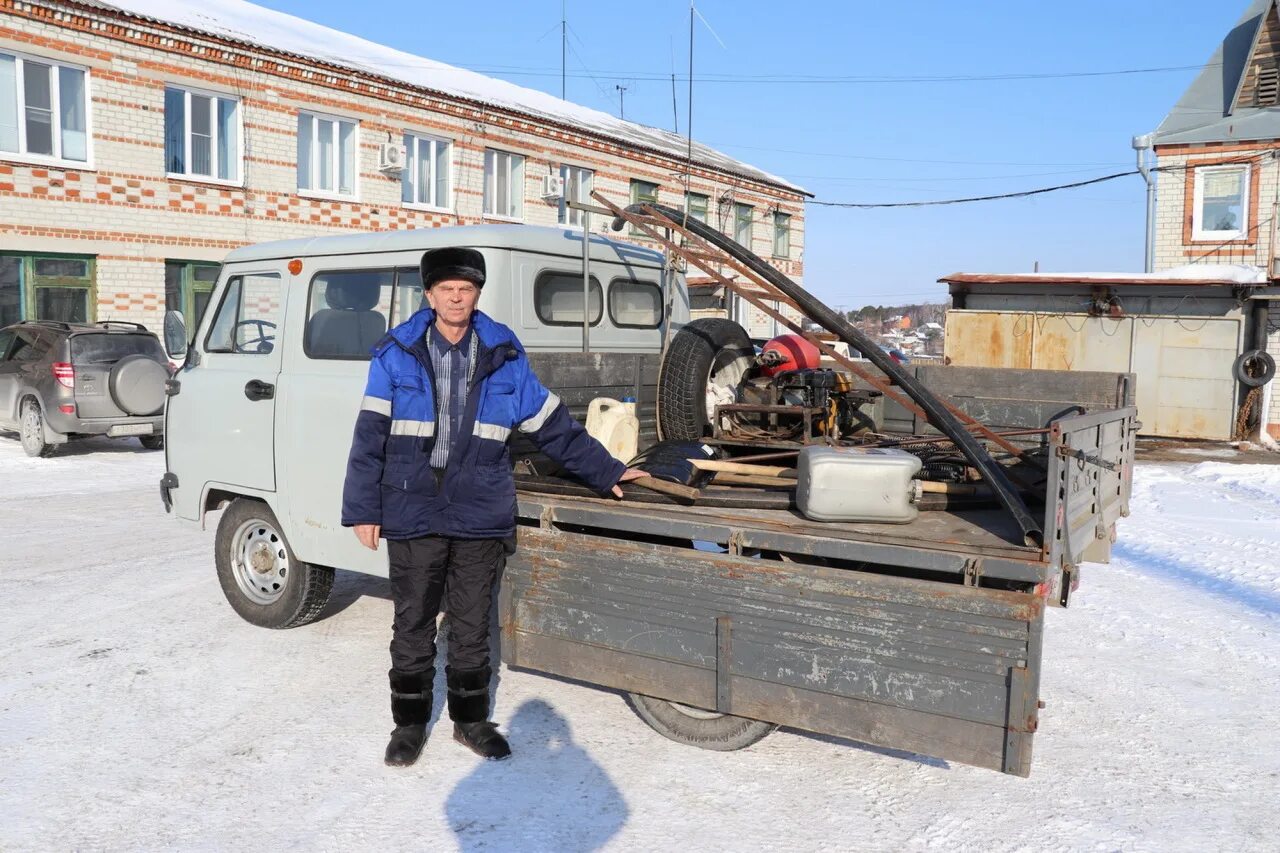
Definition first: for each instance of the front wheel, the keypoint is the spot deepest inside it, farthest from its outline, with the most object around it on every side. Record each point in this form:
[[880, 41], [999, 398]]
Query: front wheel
[[259, 574], [696, 727]]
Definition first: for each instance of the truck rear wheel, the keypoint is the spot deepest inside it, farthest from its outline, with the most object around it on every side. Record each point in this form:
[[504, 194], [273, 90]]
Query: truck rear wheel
[[703, 366], [261, 578], [696, 727]]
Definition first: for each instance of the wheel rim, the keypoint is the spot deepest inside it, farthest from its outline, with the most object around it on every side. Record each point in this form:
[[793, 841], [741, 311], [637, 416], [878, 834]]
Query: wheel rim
[[259, 561], [30, 426], [695, 713]]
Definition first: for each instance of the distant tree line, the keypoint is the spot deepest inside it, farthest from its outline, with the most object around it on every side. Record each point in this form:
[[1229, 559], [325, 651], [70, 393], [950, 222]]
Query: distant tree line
[[918, 313]]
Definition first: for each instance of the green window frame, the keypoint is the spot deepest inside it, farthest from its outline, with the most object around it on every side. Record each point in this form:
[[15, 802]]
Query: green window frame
[[643, 192], [48, 286], [782, 235], [188, 287], [742, 216], [697, 204]]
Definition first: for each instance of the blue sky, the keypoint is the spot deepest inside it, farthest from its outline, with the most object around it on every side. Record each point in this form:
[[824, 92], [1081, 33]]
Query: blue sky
[[869, 142]]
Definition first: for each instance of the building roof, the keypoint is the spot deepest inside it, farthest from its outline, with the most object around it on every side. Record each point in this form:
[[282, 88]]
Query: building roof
[[1204, 112], [528, 238], [250, 24], [1191, 275]]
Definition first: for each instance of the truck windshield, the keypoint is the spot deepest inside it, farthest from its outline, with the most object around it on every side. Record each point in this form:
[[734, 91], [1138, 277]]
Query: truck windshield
[[110, 348]]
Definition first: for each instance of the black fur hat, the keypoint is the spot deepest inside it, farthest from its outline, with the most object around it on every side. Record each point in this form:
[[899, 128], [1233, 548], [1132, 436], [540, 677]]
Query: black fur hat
[[452, 262]]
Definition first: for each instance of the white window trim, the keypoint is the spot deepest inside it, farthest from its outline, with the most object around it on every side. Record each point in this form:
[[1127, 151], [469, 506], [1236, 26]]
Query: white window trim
[[1197, 203], [333, 195], [562, 215], [85, 165], [188, 91], [776, 253], [485, 190], [412, 164]]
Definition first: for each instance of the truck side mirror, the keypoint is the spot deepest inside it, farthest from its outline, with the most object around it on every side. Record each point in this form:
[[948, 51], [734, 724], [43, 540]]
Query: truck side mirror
[[175, 335]]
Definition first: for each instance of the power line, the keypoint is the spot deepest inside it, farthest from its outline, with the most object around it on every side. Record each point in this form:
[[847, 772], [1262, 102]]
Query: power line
[[883, 159]]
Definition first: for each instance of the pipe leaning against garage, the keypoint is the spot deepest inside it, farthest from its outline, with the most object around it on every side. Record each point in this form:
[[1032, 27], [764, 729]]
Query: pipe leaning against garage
[[937, 413]]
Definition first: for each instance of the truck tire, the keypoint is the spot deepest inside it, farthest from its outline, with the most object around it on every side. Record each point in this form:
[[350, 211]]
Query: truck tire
[[695, 727], [136, 384], [704, 355], [31, 430], [1254, 368], [261, 578]]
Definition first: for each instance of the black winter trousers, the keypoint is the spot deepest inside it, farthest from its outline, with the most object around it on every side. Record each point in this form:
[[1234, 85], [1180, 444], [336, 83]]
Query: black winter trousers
[[425, 571]]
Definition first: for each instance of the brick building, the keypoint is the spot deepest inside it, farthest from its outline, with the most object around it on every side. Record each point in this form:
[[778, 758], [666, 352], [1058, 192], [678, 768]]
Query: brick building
[[1218, 153], [141, 140]]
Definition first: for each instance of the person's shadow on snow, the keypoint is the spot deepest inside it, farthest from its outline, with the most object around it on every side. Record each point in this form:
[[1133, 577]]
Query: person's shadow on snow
[[550, 795]]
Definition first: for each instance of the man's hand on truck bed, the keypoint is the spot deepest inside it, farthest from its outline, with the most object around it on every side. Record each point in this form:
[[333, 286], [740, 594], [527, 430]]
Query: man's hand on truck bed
[[627, 476]]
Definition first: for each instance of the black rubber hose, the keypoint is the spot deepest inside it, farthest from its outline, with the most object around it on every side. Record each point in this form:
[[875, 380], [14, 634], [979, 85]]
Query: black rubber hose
[[937, 413]]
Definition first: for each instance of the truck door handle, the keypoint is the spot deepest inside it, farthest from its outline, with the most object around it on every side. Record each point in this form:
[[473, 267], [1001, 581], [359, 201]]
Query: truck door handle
[[256, 389]]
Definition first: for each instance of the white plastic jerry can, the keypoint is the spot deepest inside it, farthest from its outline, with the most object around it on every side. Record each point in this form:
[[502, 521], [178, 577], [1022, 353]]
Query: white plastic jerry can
[[857, 484], [614, 424]]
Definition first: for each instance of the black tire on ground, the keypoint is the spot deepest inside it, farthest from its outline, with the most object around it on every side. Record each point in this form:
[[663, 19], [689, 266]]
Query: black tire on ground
[[706, 351], [31, 430], [136, 384], [151, 442], [695, 727], [262, 580], [1254, 368]]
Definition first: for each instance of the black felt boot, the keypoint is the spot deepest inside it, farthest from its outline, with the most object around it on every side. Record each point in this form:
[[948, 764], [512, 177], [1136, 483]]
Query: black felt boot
[[469, 710], [411, 710]]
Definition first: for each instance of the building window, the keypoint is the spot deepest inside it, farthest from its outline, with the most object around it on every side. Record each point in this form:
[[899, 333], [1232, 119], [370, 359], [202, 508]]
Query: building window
[[326, 154], [44, 287], [742, 216], [781, 235], [44, 109], [578, 183], [1221, 203], [503, 184], [696, 204], [201, 135], [643, 192], [425, 180], [187, 288]]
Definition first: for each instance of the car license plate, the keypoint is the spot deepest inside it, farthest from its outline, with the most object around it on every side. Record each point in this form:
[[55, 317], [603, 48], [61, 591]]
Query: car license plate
[[130, 429]]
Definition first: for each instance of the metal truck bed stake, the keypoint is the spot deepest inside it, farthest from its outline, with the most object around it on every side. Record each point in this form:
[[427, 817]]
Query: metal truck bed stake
[[937, 413]]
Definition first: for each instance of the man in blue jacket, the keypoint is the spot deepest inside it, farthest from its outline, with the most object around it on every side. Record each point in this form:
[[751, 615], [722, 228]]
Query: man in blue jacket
[[429, 472]]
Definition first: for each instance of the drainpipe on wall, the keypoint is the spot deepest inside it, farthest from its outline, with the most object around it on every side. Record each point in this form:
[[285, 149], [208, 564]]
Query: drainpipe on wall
[[1141, 145]]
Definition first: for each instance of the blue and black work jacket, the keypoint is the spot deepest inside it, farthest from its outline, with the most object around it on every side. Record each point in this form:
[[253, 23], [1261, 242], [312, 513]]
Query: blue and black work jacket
[[389, 477]]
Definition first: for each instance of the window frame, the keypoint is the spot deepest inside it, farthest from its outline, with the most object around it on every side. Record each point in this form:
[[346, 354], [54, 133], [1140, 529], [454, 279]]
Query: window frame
[[541, 279], [187, 92], [489, 194], [410, 175], [634, 281], [781, 226], [397, 272], [706, 206], [334, 194], [750, 220], [565, 214], [29, 281], [635, 196], [55, 102], [1198, 232], [188, 288]]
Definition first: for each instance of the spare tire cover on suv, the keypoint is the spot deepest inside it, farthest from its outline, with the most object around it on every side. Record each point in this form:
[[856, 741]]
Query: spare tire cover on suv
[[137, 385]]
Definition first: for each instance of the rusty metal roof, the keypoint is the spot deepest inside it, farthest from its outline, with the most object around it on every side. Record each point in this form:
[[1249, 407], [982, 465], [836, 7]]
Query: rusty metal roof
[[1075, 279]]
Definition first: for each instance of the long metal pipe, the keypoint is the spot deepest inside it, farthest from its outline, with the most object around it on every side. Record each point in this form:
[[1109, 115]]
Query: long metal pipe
[[1141, 145], [937, 413]]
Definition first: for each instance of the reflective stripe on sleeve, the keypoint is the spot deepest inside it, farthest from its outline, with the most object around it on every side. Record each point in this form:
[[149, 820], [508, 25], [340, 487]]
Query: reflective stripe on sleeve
[[377, 405], [536, 422]]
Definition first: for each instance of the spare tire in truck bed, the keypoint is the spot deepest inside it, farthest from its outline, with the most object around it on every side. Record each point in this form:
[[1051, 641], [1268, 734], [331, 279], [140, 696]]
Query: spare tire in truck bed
[[136, 383], [703, 366]]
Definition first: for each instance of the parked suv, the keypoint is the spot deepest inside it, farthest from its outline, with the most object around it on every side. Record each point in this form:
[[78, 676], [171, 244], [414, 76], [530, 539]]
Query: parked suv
[[60, 381]]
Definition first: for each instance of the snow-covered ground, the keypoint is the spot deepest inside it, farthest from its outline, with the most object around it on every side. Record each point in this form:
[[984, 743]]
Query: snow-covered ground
[[138, 712]]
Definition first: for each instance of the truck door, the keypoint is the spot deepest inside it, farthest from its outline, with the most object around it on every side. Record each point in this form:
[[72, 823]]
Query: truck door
[[220, 426]]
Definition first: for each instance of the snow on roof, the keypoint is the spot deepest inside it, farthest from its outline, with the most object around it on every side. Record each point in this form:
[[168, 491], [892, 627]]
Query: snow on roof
[[1188, 274], [251, 24]]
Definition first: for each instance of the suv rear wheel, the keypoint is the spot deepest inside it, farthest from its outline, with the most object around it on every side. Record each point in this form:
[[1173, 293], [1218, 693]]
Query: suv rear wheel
[[151, 442], [31, 429], [261, 578]]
